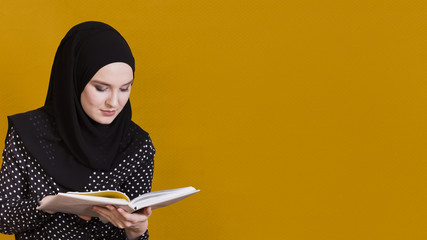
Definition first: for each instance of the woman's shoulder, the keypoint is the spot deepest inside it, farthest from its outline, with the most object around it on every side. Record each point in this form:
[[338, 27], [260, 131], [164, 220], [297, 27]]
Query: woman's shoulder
[[38, 114], [33, 124], [139, 136], [137, 130]]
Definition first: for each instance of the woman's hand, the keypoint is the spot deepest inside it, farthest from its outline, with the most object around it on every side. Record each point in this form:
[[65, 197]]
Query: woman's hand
[[53, 212], [135, 224], [46, 199]]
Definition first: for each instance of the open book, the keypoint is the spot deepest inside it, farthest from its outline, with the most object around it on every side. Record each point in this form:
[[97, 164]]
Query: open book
[[80, 203]]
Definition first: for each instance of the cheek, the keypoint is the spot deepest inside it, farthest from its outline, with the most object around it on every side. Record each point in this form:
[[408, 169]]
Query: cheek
[[124, 98], [91, 98]]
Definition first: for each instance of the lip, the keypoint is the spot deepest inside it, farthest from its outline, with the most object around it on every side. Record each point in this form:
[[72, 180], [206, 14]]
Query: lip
[[108, 113]]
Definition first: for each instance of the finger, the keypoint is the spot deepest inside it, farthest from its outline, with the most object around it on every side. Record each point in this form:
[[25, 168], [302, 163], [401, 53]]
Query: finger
[[104, 213], [87, 218], [147, 211], [105, 210], [111, 214], [134, 219], [115, 213], [131, 218], [122, 219]]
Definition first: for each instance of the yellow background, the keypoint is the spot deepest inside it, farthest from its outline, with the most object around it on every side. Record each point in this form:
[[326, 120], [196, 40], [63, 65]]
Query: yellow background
[[296, 119]]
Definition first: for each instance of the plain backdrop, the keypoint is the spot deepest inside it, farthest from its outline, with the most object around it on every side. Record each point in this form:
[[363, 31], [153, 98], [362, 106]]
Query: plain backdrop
[[297, 119]]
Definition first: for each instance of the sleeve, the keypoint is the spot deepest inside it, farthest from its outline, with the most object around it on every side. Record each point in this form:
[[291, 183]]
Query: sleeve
[[111, 232], [17, 207], [122, 235], [141, 180], [144, 236]]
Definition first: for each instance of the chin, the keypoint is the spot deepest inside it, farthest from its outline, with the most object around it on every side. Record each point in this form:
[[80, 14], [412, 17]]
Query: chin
[[104, 120]]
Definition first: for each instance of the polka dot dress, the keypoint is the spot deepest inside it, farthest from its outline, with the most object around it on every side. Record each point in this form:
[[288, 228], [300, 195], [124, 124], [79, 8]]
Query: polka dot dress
[[23, 183]]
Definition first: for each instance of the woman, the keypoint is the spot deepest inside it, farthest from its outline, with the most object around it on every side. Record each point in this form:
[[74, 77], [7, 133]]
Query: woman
[[82, 139]]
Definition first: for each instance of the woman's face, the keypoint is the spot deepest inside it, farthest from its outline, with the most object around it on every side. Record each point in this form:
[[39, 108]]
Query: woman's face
[[107, 92]]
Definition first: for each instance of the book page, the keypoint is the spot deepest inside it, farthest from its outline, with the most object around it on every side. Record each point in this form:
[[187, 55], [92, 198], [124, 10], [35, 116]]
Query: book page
[[163, 198], [80, 204], [107, 193]]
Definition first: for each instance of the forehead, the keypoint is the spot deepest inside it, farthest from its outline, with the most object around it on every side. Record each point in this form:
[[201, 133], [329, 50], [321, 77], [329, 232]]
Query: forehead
[[114, 73]]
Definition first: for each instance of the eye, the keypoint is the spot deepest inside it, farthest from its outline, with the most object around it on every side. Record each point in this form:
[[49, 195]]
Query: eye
[[125, 89], [100, 89]]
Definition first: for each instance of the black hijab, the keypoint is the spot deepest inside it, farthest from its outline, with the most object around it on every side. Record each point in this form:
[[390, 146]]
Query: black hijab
[[67, 143], [85, 49]]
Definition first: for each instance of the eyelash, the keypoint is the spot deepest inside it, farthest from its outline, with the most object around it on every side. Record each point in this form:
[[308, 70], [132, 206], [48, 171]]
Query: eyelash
[[124, 90], [99, 89]]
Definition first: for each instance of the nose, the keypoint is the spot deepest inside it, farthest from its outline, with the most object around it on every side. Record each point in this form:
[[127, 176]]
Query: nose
[[112, 100]]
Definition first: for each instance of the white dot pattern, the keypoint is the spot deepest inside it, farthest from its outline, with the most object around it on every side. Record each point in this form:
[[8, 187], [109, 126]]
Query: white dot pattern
[[23, 182]]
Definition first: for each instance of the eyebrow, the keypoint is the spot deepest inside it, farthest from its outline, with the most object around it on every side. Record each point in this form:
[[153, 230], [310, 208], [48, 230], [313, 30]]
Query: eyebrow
[[105, 84]]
